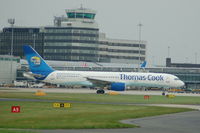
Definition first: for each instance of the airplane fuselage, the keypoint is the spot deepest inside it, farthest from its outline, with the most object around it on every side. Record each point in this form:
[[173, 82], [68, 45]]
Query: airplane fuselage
[[129, 78]]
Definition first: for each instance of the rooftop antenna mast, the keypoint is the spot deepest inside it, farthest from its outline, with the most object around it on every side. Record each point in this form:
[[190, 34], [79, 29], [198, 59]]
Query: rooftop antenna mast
[[11, 22], [168, 51], [81, 5], [140, 33]]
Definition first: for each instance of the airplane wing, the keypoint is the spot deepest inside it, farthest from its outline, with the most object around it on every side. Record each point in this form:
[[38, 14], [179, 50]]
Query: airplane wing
[[98, 82]]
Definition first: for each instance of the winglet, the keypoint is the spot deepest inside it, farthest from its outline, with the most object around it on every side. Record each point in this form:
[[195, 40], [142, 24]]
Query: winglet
[[143, 65]]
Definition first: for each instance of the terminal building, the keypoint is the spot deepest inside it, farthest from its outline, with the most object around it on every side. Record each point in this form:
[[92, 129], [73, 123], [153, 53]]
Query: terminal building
[[21, 36], [183, 65], [121, 51], [8, 67], [73, 37]]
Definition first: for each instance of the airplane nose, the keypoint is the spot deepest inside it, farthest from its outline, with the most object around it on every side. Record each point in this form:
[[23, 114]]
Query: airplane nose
[[182, 84]]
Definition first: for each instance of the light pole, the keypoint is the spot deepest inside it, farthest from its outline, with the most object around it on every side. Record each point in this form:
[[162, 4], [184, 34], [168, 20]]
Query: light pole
[[168, 52], [34, 40], [195, 55], [140, 33], [11, 22]]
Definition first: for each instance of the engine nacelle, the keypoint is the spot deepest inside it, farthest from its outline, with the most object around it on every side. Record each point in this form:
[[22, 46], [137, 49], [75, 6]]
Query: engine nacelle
[[117, 86]]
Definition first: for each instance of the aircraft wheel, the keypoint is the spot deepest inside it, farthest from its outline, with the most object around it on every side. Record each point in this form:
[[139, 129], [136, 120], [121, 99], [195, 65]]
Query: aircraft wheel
[[100, 91]]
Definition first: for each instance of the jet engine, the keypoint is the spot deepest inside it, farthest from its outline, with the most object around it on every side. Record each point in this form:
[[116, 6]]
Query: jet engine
[[117, 86]]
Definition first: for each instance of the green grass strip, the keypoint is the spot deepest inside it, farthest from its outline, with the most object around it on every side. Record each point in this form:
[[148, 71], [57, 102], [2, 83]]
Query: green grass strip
[[42, 115], [106, 98]]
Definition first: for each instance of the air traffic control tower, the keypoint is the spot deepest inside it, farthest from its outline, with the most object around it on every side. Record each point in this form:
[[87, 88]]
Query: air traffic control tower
[[76, 37], [73, 37], [81, 17]]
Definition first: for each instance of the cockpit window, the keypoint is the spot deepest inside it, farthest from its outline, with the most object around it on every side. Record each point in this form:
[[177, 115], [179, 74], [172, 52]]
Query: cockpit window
[[176, 79]]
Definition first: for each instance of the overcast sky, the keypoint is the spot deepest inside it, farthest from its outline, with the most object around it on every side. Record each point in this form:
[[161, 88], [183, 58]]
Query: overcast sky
[[166, 23]]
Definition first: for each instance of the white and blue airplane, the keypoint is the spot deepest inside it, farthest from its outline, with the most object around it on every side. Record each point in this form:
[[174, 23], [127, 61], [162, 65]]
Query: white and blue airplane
[[116, 81]]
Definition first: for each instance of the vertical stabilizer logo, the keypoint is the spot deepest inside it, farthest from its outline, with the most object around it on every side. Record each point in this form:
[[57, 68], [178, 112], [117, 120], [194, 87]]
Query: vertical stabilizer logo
[[36, 60]]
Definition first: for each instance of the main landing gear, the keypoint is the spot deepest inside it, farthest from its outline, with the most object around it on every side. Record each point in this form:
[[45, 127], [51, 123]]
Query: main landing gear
[[100, 91]]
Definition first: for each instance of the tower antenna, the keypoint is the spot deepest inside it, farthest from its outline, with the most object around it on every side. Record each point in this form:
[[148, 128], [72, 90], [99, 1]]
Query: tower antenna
[[81, 5]]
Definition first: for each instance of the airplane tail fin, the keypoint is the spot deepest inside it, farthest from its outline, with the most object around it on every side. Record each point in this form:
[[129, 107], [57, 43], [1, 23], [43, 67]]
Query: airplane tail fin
[[143, 65], [36, 63]]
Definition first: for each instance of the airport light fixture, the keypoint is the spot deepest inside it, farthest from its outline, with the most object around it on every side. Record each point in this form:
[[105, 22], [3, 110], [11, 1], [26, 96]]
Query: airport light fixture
[[34, 40], [168, 51], [195, 56], [140, 34], [11, 22]]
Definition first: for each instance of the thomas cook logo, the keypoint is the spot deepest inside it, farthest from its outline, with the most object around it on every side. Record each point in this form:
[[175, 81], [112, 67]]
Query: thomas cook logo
[[36, 60]]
